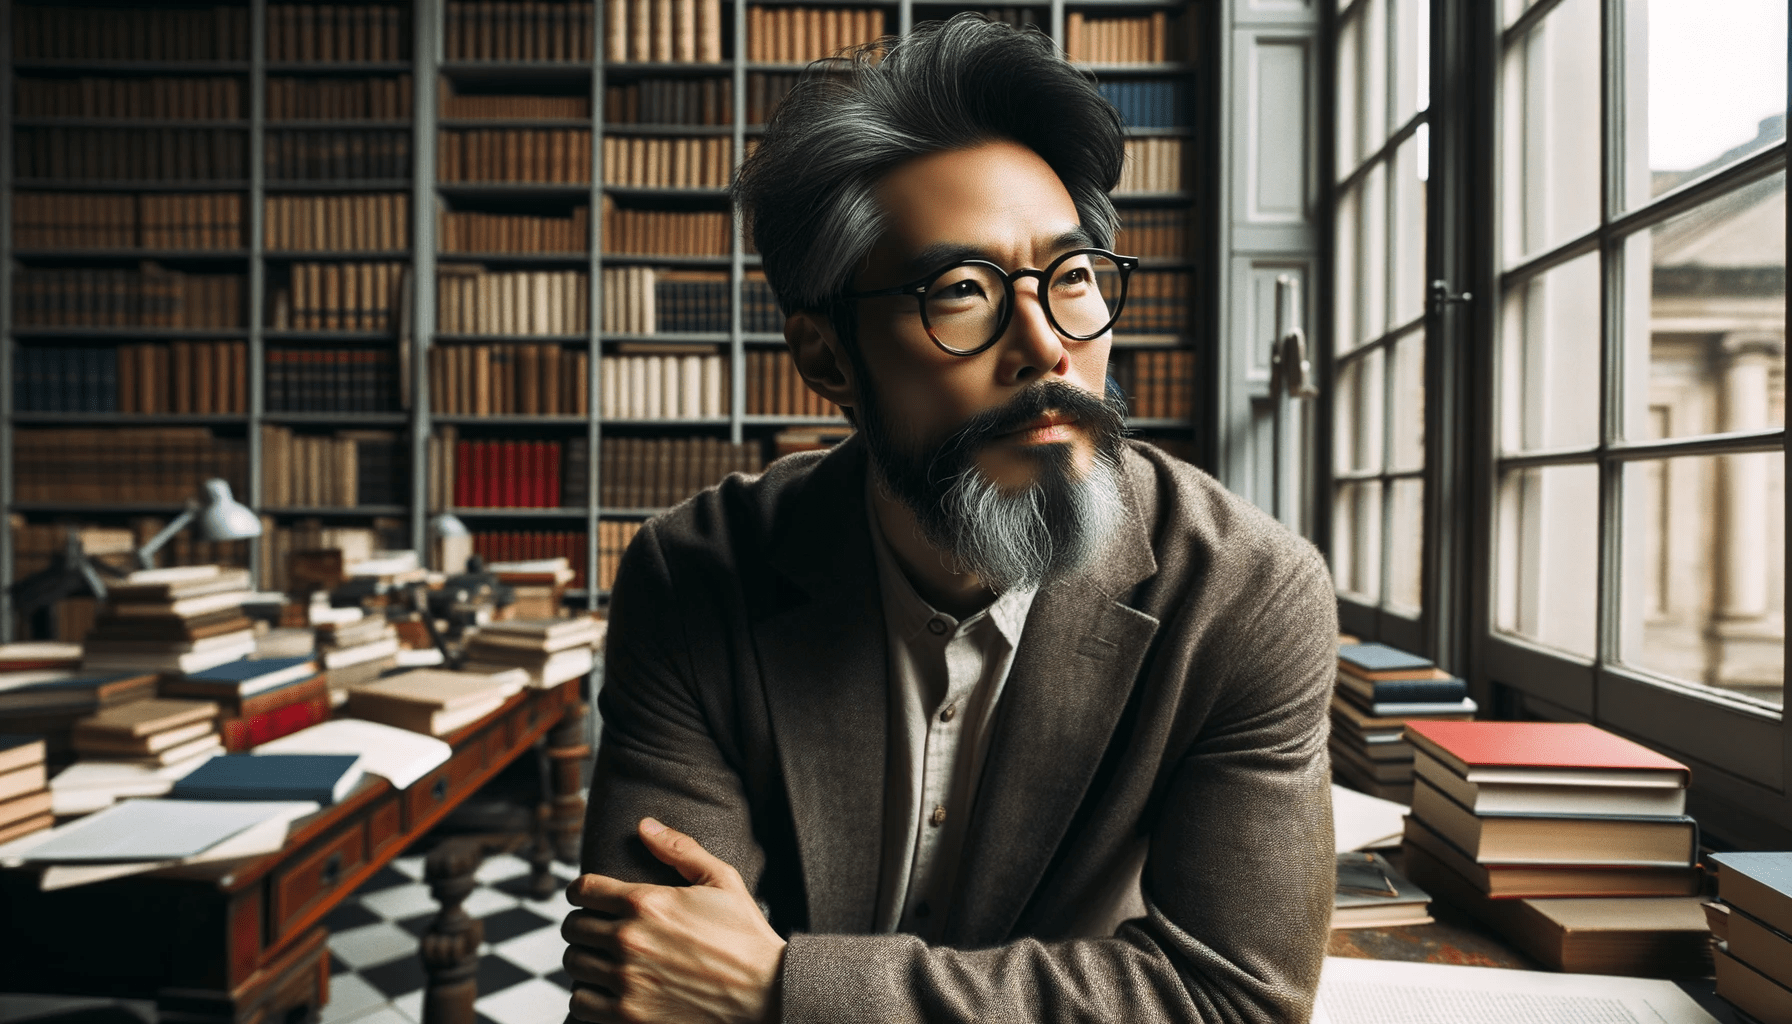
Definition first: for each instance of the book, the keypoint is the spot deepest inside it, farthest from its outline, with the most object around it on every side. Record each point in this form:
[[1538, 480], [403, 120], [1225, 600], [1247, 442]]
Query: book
[[152, 744], [544, 671], [1759, 945], [145, 718], [185, 608], [1372, 894], [347, 657], [1523, 881], [19, 781], [247, 678], [1442, 688], [155, 830], [168, 661], [24, 807], [28, 826], [84, 693], [1546, 797], [1557, 838], [38, 654], [1750, 989], [400, 756], [1759, 882], [211, 742], [99, 646], [325, 778], [435, 689], [174, 582], [97, 466], [502, 545], [274, 713], [424, 719], [1422, 709], [127, 628], [1664, 936], [18, 751], [543, 634], [1381, 662], [1543, 752]]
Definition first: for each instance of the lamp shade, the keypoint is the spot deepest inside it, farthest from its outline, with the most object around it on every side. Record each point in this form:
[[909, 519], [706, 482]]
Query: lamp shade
[[223, 518], [445, 524]]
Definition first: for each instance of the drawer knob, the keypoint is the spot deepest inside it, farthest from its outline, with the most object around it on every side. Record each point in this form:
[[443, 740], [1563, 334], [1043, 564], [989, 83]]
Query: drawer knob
[[332, 872], [439, 790]]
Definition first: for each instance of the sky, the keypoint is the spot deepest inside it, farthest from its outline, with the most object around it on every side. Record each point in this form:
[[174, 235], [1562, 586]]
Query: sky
[[1716, 68]]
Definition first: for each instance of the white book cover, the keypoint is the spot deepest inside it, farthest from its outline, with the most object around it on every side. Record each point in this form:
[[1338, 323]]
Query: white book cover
[[356, 655], [713, 405], [149, 830], [691, 368], [653, 393], [399, 756]]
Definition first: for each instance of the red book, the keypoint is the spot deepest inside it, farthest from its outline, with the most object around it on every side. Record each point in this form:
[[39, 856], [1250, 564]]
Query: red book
[[1513, 751], [550, 492], [463, 474], [507, 472], [493, 470]]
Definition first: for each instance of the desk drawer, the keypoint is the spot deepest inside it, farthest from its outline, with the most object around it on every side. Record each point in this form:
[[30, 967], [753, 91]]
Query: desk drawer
[[385, 825], [445, 784], [301, 887]]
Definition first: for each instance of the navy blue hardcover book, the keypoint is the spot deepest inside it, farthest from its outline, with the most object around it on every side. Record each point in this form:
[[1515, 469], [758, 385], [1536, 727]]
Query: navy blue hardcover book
[[325, 778], [1380, 658], [259, 674]]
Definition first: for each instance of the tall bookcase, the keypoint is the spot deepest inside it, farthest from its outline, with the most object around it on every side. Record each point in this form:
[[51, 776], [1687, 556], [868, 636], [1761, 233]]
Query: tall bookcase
[[393, 189]]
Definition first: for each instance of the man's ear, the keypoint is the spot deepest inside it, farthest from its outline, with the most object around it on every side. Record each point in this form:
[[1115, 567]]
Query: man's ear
[[820, 358]]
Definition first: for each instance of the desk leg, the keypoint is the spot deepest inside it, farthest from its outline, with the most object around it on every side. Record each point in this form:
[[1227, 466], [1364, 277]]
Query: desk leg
[[290, 990], [567, 750], [451, 946]]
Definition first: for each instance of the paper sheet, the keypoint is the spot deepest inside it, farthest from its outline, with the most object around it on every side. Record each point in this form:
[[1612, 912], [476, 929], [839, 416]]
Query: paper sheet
[[399, 756], [150, 830], [1364, 822], [1355, 991], [255, 841]]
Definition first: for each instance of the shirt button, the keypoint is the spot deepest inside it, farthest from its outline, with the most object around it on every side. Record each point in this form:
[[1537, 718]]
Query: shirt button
[[950, 713], [936, 626], [922, 909], [938, 817]]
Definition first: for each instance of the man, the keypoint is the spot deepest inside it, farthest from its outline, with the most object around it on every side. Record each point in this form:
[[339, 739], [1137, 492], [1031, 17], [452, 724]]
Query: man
[[988, 714]]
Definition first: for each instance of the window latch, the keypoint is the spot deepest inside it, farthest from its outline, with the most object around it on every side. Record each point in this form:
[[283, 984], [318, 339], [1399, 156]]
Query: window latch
[[1290, 370], [1442, 297]]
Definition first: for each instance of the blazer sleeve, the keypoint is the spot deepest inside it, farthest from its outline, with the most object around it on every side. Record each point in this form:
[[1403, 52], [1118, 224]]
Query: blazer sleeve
[[656, 753], [1238, 879]]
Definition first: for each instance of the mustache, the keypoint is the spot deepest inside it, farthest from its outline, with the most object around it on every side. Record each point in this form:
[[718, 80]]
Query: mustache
[[1103, 417]]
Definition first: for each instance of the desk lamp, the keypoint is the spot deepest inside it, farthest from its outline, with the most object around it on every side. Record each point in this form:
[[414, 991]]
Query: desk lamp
[[220, 518]]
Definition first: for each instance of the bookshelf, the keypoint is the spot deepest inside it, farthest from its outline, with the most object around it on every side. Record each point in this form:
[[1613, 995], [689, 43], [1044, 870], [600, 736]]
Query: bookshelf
[[386, 255]]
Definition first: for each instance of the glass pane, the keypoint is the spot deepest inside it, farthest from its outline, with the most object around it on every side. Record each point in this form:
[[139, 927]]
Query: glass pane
[[1359, 415], [1705, 344], [1713, 75], [1550, 131], [1412, 58], [1372, 235], [1549, 359], [1406, 536], [1346, 273], [1349, 95], [1546, 556], [1704, 594], [1511, 10], [1407, 450], [1406, 243], [1356, 540], [1374, 70]]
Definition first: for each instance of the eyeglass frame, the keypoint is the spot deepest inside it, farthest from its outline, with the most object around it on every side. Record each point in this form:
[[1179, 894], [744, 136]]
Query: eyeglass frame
[[918, 288]]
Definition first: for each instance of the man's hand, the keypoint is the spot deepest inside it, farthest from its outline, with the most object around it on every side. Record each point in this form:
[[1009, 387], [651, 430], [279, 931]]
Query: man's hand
[[663, 953]]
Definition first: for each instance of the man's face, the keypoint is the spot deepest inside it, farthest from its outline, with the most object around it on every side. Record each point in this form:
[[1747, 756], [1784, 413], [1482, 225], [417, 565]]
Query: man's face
[[1006, 458], [1002, 203]]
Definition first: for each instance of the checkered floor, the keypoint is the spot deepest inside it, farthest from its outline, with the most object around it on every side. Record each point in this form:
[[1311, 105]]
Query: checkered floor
[[376, 976]]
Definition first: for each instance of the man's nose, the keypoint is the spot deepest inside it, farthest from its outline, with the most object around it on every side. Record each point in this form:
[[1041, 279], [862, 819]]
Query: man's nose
[[1030, 347]]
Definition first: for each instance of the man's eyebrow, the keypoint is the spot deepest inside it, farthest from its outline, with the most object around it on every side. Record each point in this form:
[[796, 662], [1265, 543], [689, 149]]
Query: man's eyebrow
[[941, 254]]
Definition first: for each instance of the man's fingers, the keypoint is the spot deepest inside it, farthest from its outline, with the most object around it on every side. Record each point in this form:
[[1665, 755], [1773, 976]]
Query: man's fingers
[[599, 892], [591, 968], [594, 1005], [590, 930], [697, 865]]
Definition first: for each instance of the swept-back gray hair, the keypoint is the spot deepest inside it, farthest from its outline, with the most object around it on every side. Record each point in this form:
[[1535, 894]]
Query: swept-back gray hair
[[809, 191]]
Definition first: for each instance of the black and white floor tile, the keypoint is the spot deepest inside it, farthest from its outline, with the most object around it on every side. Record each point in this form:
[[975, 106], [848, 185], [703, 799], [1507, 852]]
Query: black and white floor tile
[[376, 975]]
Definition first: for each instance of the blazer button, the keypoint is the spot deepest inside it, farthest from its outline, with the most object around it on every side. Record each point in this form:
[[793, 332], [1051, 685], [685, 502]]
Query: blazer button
[[938, 817], [936, 626], [950, 713]]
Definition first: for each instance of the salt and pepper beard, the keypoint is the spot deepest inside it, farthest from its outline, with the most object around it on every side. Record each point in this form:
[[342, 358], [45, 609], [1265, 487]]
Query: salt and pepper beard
[[1017, 539]]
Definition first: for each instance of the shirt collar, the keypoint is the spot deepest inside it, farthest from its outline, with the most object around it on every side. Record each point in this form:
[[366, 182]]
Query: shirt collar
[[909, 613]]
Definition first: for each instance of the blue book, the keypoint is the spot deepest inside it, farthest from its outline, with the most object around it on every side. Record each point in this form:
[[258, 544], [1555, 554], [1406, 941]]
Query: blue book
[[243, 678], [1380, 658], [325, 778]]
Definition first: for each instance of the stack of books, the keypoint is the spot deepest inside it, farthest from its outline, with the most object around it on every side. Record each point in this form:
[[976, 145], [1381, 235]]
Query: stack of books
[[1379, 690], [39, 655], [153, 733], [538, 585], [24, 787], [49, 702], [259, 700], [433, 702], [355, 652], [1568, 839], [324, 778], [1753, 926], [1372, 894], [180, 619], [551, 651]]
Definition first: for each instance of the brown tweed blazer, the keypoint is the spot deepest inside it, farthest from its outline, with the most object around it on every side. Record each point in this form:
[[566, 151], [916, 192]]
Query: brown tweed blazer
[[1167, 710]]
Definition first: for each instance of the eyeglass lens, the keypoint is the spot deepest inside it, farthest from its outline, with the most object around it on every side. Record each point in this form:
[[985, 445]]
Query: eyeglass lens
[[965, 305]]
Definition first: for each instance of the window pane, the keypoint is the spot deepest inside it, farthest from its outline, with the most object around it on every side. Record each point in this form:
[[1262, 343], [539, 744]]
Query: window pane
[[1704, 596], [1374, 70], [1705, 351], [1407, 240], [1550, 131], [1713, 75], [1546, 556], [1372, 232], [1346, 273], [1412, 59], [1407, 450], [1359, 415], [1511, 10], [1549, 359], [1356, 540], [1349, 95], [1406, 536]]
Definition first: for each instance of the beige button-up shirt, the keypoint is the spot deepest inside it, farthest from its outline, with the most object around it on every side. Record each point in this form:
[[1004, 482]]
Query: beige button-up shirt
[[946, 677]]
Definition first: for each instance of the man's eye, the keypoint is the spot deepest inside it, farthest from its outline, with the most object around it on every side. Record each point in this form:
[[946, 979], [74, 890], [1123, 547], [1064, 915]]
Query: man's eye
[[1076, 275], [969, 288]]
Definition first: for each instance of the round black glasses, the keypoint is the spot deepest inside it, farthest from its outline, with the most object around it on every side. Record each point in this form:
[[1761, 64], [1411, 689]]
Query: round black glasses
[[966, 306]]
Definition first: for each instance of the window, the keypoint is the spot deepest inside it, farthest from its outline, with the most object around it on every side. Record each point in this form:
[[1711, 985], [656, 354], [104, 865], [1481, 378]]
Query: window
[[1378, 315]]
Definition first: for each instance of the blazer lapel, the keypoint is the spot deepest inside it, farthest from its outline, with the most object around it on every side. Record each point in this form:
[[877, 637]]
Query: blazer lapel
[[1078, 659], [823, 664]]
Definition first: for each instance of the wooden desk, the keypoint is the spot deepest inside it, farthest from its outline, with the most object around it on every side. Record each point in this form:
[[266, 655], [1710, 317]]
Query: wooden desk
[[242, 941]]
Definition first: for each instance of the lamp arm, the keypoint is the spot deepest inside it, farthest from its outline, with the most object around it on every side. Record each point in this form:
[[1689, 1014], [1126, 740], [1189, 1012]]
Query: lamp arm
[[146, 555]]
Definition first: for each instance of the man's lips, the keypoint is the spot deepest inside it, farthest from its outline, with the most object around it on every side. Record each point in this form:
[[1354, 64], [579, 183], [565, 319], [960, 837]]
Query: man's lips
[[1053, 426]]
